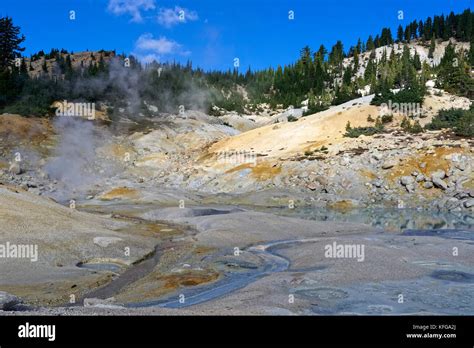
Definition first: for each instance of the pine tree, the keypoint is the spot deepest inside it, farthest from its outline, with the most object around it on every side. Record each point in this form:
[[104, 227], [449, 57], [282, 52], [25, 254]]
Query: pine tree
[[322, 51], [370, 71], [416, 61], [10, 42], [432, 47], [407, 33], [471, 53], [370, 43], [400, 33], [413, 29], [453, 73], [68, 70], [356, 60], [450, 25], [337, 54], [427, 29], [420, 29], [377, 41], [359, 46], [346, 80], [436, 26], [23, 68], [386, 38]]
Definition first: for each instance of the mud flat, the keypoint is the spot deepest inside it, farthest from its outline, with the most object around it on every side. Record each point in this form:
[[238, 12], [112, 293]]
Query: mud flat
[[61, 239], [220, 259]]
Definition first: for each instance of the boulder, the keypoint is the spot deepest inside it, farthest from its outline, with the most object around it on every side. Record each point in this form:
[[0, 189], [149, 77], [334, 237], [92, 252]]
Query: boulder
[[407, 180], [428, 185], [439, 183], [441, 174], [452, 203], [8, 301], [410, 188], [420, 178]]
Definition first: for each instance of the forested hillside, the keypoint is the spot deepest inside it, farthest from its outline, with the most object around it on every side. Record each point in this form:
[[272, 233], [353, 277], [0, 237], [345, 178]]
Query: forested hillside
[[324, 77]]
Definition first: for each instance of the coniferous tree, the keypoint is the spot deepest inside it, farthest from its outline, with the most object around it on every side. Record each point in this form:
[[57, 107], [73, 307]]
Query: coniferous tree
[[400, 33], [453, 73], [386, 38], [356, 60], [377, 41], [471, 53], [427, 29], [359, 46], [413, 29], [407, 33], [432, 47], [416, 61], [370, 43], [421, 29], [10, 42], [23, 68], [346, 80]]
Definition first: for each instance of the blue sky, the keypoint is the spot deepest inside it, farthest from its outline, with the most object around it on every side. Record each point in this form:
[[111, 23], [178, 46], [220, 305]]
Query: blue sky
[[213, 32]]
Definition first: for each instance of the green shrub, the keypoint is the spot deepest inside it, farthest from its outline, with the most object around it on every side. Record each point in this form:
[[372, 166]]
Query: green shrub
[[415, 128], [407, 95], [381, 98], [465, 125], [447, 118], [405, 124], [358, 131], [342, 98], [387, 119], [312, 109]]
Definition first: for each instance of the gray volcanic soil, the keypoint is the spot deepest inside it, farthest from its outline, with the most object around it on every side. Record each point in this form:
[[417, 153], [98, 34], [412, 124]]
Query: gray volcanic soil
[[280, 268]]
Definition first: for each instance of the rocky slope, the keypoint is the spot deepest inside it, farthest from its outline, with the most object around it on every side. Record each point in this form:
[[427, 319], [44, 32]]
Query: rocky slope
[[202, 154]]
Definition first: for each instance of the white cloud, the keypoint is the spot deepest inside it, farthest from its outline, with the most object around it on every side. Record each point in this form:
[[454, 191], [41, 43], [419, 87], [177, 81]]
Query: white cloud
[[169, 17], [147, 48], [132, 7]]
